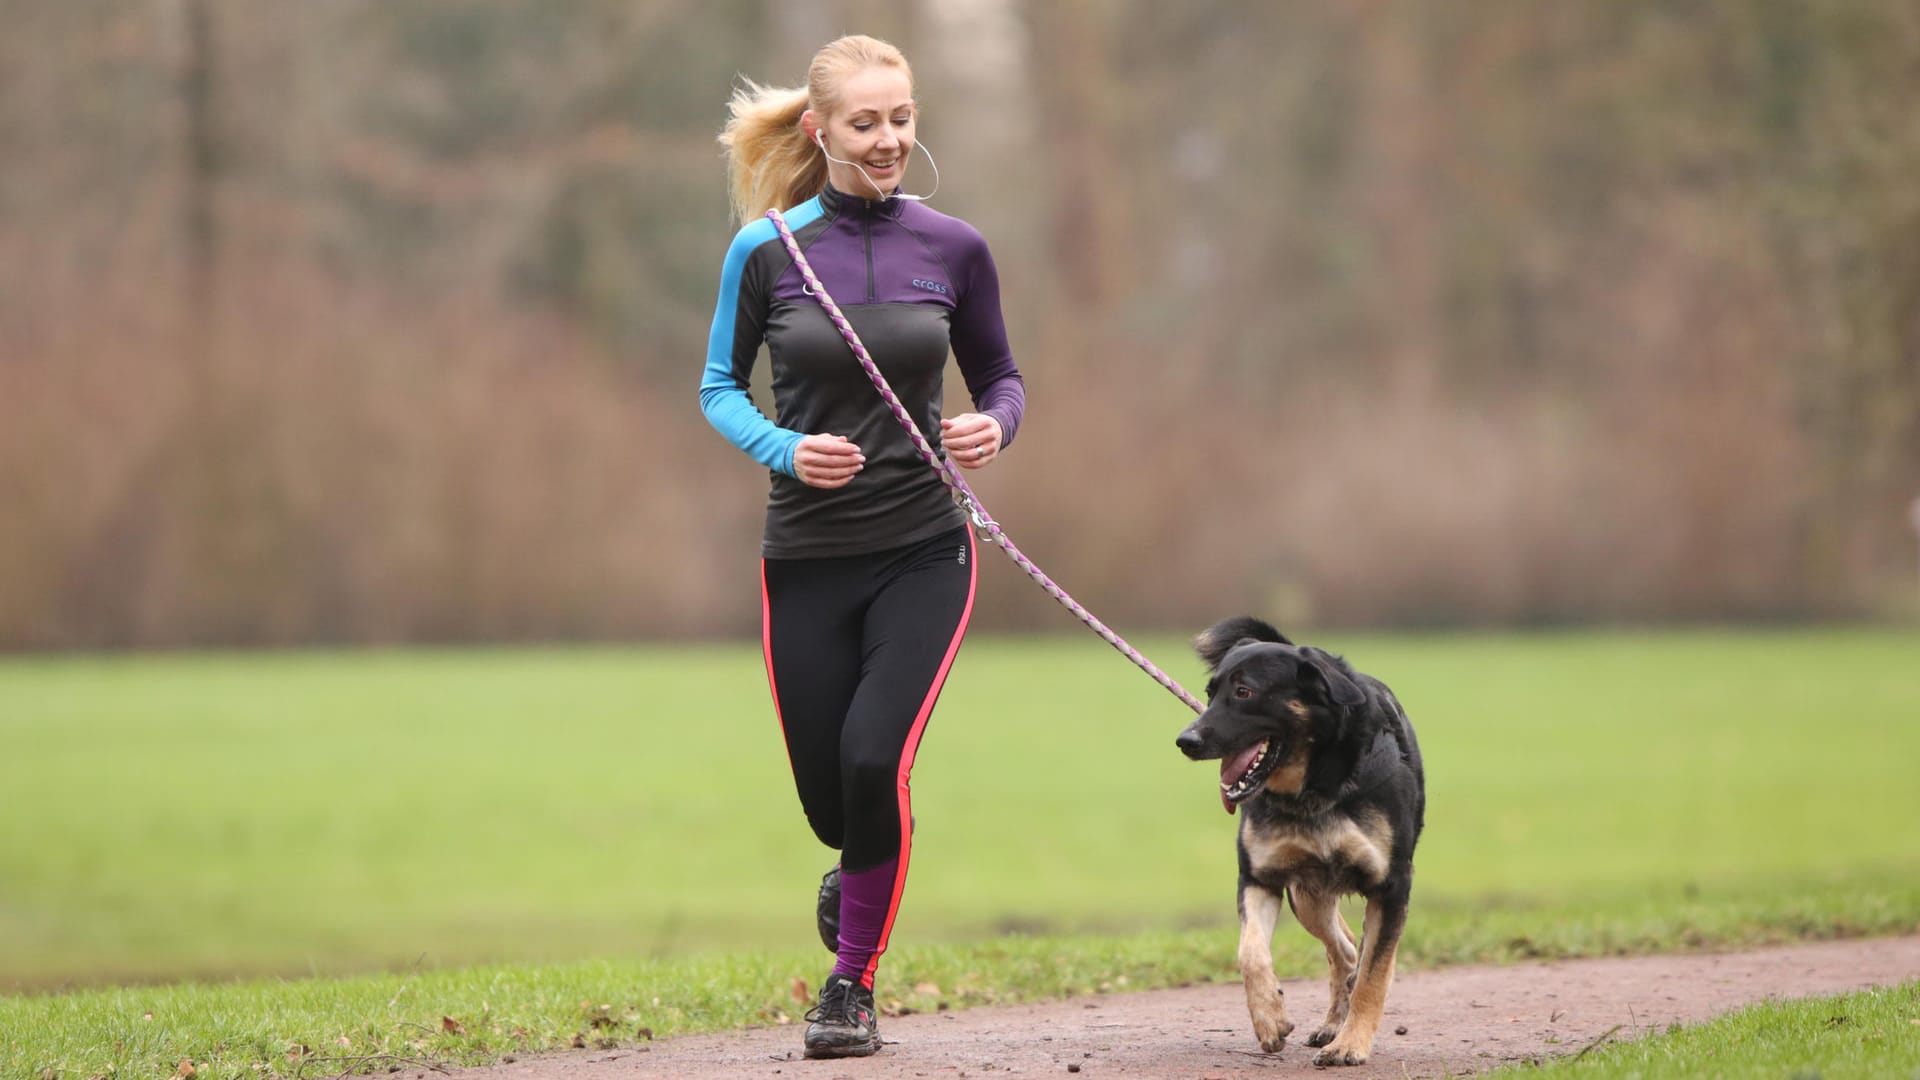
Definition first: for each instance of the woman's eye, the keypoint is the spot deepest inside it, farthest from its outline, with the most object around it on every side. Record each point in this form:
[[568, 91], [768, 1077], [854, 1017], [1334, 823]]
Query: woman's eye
[[1243, 692], [862, 127]]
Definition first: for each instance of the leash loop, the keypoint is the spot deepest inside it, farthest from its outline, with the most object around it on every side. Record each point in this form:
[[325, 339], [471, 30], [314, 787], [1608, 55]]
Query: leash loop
[[963, 496]]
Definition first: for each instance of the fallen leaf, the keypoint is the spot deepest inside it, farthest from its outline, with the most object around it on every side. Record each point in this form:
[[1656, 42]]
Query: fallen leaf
[[927, 988], [450, 1025], [344, 1041], [148, 1016], [799, 991], [644, 1033], [579, 1041], [186, 1068]]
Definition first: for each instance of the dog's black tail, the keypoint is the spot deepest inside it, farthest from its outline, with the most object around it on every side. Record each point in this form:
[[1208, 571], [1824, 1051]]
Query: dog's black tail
[[1217, 640]]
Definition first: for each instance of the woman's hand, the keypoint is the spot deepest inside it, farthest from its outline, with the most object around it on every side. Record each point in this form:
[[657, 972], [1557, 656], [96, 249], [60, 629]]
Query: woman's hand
[[972, 440], [827, 461]]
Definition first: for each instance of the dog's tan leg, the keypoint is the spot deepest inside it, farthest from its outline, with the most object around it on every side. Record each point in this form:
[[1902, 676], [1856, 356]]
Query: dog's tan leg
[[1380, 940], [1259, 910], [1319, 912]]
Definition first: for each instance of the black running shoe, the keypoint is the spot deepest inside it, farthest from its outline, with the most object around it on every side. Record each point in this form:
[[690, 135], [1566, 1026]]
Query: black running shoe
[[845, 1023], [826, 910]]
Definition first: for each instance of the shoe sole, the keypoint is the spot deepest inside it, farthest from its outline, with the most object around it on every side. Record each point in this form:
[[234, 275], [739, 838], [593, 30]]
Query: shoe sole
[[855, 1050]]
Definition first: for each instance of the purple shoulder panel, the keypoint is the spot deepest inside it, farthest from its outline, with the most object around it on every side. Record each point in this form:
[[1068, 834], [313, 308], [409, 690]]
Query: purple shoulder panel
[[979, 332], [900, 252]]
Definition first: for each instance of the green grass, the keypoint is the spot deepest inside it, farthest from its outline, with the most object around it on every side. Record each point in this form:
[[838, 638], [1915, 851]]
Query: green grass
[[226, 1029], [323, 1027], [622, 820], [1871, 1034]]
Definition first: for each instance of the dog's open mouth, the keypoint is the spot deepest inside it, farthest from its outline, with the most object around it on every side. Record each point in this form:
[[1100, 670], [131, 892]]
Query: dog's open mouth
[[1242, 774]]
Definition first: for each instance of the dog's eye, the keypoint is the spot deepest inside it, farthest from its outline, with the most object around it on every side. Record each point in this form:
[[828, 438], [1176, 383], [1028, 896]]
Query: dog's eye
[[1243, 692]]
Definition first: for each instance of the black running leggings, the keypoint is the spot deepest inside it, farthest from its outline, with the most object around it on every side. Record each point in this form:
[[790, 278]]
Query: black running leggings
[[857, 648]]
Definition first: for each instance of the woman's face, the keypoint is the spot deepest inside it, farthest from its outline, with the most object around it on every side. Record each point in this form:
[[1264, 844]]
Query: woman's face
[[872, 128]]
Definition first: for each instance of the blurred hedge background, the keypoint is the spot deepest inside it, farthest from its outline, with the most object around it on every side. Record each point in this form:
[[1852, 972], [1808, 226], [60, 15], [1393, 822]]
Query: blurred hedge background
[[381, 320]]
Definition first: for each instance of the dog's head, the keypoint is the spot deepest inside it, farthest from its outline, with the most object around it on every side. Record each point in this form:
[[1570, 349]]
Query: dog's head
[[1269, 702]]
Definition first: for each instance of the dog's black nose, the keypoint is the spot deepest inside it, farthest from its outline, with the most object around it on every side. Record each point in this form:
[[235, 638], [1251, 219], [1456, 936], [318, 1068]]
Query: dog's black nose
[[1189, 741]]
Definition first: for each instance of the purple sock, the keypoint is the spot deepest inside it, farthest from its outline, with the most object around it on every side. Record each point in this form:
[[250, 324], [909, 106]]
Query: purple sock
[[865, 899]]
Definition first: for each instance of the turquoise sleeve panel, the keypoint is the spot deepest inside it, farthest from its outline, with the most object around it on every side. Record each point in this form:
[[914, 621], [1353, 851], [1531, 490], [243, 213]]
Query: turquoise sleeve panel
[[739, 325]]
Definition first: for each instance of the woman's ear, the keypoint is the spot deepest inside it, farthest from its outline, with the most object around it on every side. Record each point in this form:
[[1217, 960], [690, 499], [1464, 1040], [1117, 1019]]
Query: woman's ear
[[810, 124]]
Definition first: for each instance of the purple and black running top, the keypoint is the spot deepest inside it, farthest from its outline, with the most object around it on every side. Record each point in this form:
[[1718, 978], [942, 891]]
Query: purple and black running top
[[913, 282]]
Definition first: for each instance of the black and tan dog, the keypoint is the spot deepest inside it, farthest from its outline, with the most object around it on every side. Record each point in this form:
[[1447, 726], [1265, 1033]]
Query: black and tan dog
[[1325, 765]]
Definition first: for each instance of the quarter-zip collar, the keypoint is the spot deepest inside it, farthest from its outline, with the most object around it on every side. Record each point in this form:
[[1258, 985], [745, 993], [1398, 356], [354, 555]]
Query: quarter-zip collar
[[838, 203]]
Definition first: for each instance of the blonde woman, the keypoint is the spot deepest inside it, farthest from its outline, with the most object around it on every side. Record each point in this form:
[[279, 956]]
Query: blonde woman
[[867, 568]]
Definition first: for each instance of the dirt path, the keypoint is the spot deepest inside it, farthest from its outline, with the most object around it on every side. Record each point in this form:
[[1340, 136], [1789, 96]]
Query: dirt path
[[1457, 1020]]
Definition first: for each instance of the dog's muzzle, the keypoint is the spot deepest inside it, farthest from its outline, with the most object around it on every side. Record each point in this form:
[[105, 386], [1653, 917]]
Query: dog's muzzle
[[1190, 743]]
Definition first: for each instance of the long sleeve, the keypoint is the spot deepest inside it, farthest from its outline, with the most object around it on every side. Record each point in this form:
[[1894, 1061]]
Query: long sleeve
[[739, 327], [980, 344]]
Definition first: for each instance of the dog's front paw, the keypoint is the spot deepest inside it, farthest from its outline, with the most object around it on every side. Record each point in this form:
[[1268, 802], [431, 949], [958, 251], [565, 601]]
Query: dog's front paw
[[1323, 1036], [1272, 1033], [1267, 1008], [1339, 1055]]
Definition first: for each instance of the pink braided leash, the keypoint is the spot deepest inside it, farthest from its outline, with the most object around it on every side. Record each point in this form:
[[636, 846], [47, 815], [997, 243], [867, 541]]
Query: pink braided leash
[[956, 484]]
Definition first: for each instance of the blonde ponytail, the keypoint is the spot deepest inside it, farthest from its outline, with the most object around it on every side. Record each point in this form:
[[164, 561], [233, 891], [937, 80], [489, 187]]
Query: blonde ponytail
[[770, 162]]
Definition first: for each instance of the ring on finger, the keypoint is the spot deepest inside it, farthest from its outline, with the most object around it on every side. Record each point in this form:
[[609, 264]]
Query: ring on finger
[[980, 451]]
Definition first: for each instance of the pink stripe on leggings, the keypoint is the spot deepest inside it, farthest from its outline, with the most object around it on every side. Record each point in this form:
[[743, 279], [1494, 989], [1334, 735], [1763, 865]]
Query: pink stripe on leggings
[[906, 770]]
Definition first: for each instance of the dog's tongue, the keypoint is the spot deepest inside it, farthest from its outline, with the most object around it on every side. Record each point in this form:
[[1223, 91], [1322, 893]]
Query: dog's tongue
[[1235, 767]]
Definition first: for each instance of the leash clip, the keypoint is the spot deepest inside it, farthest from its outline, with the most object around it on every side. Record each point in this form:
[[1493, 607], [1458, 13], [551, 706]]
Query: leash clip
[[981, 521], [975, 513]]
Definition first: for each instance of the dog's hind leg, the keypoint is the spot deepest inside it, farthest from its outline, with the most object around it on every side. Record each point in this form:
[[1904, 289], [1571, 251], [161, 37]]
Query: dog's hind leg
[[1380, 940], [1259, 910], [1319, 912]]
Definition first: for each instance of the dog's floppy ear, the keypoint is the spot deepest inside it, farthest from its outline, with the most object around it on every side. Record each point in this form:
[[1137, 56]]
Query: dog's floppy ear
[[1216, 641], [1341, 689]]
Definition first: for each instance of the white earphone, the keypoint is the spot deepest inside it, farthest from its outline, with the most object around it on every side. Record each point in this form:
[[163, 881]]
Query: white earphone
[[820, 140]]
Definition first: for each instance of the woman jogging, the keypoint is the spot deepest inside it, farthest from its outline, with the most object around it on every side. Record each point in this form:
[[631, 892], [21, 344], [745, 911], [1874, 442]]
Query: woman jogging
[[867, 567]]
